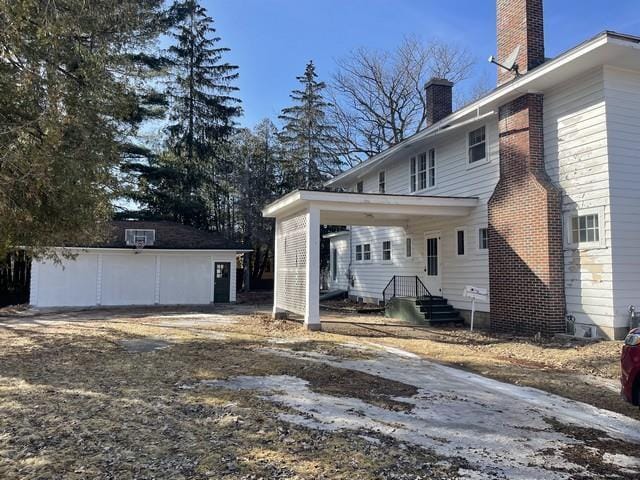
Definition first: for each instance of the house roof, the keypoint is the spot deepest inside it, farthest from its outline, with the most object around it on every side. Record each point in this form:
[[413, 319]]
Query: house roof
[[369, 209], [606, 48], [169, 236]]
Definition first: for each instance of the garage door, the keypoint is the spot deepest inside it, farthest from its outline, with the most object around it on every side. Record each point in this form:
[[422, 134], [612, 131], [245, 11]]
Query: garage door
[[128, 279], [185, 279]]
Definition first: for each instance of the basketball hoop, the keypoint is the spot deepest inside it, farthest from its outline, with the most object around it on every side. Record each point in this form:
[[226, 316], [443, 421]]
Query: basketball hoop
[[140, 243]]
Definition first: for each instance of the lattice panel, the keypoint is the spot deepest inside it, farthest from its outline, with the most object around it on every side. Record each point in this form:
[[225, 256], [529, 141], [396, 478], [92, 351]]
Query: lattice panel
[[292, 264]]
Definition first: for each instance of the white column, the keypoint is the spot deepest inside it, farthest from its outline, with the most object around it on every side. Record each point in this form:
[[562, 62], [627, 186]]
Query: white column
[[276, 273], [232, 279], [312, 303]]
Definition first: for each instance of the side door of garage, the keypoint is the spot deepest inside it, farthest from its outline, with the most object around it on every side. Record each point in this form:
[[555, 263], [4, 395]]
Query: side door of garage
[[222, 285]]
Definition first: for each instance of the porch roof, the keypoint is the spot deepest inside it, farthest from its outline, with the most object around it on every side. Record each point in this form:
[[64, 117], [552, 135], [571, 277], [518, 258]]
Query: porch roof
[[369, 209]]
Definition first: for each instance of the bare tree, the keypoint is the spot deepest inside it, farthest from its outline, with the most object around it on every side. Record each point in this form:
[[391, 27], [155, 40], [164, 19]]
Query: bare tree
[[378, 97]]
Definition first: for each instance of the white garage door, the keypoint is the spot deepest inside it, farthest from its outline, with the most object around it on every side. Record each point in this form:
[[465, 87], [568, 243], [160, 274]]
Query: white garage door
[[185, 279], [128, 279], [72, 284]]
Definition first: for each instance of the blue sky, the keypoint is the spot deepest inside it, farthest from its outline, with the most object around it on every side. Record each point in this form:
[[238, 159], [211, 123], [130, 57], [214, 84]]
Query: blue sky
[[272, 40]]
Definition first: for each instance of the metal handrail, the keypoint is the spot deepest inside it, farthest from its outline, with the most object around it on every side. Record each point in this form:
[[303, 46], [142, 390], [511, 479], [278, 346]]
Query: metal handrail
[[402, 286]]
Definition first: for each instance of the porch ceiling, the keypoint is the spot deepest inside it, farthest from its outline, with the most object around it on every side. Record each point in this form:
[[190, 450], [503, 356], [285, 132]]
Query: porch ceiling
[[369, 209]]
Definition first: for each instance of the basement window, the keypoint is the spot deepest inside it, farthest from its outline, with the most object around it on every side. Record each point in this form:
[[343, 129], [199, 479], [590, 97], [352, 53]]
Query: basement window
[[477, 145], [386, 251]]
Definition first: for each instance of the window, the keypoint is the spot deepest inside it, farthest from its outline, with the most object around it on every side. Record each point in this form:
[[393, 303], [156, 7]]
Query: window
[[334, 264], [413, 174], [135, 237], [460, 241], [366, 252], [423, 171], [483, 238], [381, 182], [386, 251], [477, 145], [432, 257], [360, 187], [358, 253], [432, 167], [408, 248], [585, 229]]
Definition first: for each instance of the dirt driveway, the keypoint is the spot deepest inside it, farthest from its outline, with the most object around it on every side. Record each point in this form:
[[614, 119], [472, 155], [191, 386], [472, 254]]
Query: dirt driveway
[[230, 394]]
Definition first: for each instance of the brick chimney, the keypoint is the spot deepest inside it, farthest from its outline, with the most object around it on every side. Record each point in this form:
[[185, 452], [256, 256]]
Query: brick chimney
[[526, 263], [439, 97], [519, 24]]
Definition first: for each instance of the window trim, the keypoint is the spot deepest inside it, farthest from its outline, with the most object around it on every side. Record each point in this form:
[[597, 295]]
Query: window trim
[[390, 250], [485, 160], [382, 183], [464, 242], [414, 171], [482, 251], [580, 212]]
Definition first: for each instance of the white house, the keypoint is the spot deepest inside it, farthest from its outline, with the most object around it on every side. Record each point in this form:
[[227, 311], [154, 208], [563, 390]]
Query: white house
[[530, 192], [141, 263]]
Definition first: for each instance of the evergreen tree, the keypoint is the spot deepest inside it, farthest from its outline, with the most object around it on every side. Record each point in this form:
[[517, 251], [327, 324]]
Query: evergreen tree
[[69, 72], [307, 138], [189, 183]]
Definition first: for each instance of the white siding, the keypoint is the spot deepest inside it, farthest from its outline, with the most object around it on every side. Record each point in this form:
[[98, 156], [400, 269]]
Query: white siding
[[453, 178], [71, 283], [575, 143], [112, 277], [341, 246], [622, 93], [128, 279]]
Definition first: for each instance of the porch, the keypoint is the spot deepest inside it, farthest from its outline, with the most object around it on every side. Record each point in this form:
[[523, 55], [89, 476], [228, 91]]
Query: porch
[[298, 218]]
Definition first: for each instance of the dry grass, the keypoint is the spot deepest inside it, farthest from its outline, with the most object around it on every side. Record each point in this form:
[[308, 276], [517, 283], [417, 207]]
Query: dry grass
[[75, 404]]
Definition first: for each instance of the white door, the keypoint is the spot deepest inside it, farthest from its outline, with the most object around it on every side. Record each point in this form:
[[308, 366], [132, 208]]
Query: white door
[[433, 278]]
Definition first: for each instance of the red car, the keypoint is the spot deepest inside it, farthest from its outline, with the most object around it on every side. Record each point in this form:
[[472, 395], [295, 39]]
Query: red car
[[630, 363]]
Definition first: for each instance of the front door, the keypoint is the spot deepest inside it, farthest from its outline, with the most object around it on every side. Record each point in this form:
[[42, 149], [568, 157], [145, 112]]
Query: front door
[[433, 279], [222, 285]]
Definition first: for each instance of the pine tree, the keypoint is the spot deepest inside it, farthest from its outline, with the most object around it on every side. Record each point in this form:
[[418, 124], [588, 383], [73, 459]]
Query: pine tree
[[68, 103], [189, 183], [306, 137]]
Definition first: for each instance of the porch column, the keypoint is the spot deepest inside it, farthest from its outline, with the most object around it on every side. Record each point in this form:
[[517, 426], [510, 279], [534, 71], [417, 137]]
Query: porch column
[[277, 311], [312, 284]]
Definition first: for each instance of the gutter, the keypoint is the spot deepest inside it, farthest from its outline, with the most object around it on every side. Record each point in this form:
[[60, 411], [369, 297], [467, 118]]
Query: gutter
[[514, 88]]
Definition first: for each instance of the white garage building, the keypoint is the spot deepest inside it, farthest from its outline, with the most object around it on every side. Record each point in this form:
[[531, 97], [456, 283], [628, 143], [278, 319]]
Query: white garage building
[[141, 263]]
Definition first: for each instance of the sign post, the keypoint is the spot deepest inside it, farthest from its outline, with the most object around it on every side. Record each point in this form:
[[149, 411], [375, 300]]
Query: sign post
[[475, 293]]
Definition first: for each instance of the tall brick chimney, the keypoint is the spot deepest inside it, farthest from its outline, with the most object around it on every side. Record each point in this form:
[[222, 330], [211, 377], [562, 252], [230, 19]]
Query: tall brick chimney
[[520, 23], [526, 269], [439, 97]]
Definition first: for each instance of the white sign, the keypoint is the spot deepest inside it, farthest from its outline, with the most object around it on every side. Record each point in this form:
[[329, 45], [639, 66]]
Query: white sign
[[475, 293]]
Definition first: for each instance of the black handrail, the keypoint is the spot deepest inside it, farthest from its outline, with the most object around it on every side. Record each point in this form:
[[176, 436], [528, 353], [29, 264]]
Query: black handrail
[[401, 286]]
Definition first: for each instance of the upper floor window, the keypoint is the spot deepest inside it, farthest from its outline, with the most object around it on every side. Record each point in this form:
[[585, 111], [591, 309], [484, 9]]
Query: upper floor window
[[366, 252], [381, 182], [358, 253], [477, 145], [360, 187], [423, 171], [386, 250], [432, 168]]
